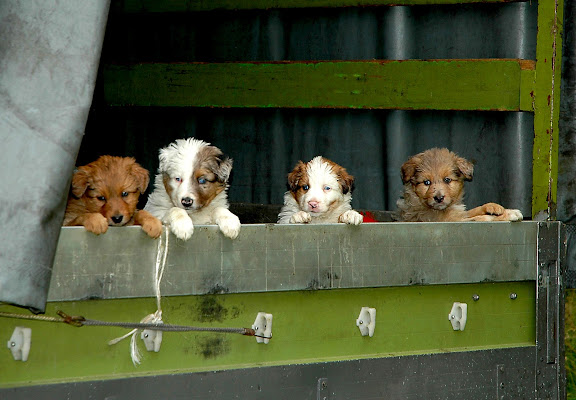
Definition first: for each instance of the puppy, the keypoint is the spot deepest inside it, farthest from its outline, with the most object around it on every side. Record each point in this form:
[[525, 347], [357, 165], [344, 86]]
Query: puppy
[[319, 191], [190, 188], [105, 193], [434, 188]]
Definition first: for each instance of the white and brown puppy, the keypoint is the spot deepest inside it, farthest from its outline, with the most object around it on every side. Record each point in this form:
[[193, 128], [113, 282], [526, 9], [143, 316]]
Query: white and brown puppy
[[434, 189], [191, 188], [319, 191]]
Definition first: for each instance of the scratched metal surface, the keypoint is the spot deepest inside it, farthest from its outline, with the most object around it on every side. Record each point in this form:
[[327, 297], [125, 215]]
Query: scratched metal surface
[[267, 257]]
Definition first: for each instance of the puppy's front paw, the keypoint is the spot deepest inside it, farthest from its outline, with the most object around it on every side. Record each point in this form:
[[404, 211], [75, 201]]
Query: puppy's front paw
[[513, 215], [229, 225], [180, 223], [301, 217], [493, 209], [351, 217], [153, 227], [96, 223]]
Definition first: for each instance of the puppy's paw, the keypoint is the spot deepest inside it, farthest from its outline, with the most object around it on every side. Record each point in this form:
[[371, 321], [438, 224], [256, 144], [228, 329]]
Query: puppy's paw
[[229, 225], [493, 209], [96, 223], [153, 227], [180, 223], [513, 215], [351, 217], [301, 217]]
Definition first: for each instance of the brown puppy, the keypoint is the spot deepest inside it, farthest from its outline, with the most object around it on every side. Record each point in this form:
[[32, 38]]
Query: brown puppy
[[105, 193], [434, 188]]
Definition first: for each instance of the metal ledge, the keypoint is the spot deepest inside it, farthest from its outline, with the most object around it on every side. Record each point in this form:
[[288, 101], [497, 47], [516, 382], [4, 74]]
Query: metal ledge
[[269, 257]]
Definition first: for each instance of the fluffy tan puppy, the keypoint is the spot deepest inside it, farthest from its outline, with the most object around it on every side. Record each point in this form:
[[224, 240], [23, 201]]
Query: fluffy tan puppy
[[434, 188], [105, 193]]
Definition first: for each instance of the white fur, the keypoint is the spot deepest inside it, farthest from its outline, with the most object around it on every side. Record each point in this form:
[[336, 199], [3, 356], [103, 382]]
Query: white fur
[[177, 161], [319, 204]]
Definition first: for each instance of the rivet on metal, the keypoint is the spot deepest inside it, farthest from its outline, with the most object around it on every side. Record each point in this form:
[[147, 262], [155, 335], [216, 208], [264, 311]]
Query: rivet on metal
[[475, 297], [513, 296]]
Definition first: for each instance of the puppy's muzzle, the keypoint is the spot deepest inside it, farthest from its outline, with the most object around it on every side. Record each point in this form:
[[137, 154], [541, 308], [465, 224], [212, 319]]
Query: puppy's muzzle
[[439, 198], [187, 202], [117, 219]]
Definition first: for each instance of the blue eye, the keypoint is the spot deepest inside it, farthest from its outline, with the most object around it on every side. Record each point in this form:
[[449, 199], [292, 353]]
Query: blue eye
[[178, 179], [124, 194], [305, 187], [427, 183], [201, 181], [327, 188]]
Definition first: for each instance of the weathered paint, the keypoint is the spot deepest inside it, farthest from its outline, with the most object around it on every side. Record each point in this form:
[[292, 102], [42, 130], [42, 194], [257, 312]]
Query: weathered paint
[[207, 5], [413, 84], [547, 108], [308, 327]]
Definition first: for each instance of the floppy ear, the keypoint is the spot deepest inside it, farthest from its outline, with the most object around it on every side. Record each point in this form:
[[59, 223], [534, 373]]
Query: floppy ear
[[80, 181], [141, 176], [465, 167], [295, 176], [346, 181], [223, 168], [409, 168]]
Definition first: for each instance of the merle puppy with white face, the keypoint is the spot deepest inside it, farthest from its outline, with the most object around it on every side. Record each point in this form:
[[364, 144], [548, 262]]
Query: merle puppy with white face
[[191, 188]]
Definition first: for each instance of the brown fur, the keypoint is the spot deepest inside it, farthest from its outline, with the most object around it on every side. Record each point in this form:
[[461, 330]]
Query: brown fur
[[105, 193], [434, 189], [214, 167], [298, 178]]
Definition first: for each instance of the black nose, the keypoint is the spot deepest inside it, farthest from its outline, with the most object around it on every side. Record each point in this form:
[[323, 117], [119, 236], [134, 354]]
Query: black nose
[[117, 219], [438, 199], [187, 202]]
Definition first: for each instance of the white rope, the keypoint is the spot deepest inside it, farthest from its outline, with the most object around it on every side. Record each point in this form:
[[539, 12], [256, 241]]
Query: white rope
[[156, 317]]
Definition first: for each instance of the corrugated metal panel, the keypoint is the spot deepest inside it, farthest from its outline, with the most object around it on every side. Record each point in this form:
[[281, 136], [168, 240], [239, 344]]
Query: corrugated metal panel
[[372, 145]]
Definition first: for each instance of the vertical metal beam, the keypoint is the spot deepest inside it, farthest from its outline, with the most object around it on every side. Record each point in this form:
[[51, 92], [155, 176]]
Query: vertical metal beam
[[550, 375], [546, 103]]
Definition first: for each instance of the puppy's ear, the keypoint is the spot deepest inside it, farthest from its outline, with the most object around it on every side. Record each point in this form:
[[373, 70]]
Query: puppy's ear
[[409, 168], [295, 176], [223, 168], [80, 181], [465, 167], [141, 176], [346, 181]]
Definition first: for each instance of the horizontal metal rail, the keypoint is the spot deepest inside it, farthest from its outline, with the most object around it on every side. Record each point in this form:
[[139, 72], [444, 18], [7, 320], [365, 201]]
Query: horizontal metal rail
[[484, 84], [153, 6]]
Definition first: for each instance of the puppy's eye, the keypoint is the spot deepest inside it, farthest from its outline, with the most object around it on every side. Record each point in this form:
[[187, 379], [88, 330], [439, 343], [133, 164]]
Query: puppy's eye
[[305, 187], [447, 180], [427, 182], [327, 188], [201, 181], [124, 194], [101, 198], [178, 179]]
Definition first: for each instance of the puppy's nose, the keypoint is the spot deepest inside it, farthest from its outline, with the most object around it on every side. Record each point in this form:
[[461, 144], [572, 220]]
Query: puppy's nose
[[313, 204], [187, 202], [439, 198], [117, 218]]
